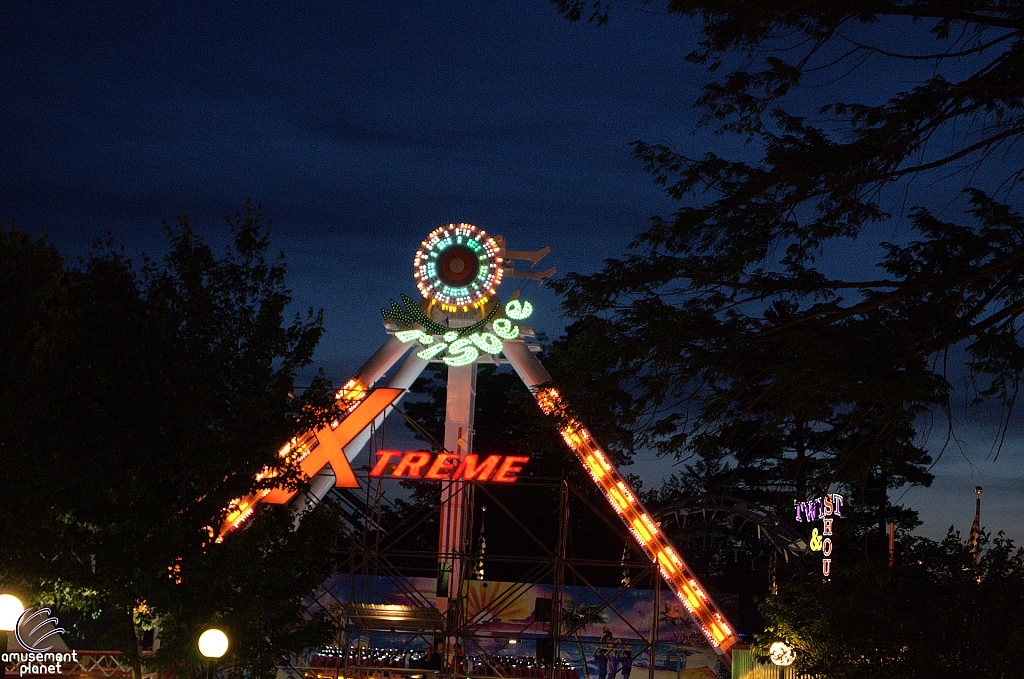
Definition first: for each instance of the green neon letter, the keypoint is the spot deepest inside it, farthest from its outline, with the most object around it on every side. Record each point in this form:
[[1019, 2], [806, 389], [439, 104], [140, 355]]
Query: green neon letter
[[518, 310], [409, 335], [431, 352], [461, 352], [485, 341], [504, 329]]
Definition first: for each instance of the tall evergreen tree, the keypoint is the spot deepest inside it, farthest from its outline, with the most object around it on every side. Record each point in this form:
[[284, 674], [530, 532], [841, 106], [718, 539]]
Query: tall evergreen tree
[[739, 320]]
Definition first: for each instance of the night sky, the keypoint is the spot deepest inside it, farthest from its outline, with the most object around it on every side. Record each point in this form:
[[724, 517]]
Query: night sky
[[360, 127]]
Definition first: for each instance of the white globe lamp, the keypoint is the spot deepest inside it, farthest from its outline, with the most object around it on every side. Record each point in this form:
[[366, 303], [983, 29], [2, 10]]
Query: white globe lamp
[[213, 643], [11, 609], [782, 654]]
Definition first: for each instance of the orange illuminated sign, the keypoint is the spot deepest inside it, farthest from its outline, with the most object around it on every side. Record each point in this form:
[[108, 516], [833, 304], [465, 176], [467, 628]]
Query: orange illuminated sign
[[316, 450], [420, 464]]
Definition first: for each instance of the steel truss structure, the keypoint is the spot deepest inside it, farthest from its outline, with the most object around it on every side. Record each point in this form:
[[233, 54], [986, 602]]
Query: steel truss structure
[[739, 518], [376, 554]]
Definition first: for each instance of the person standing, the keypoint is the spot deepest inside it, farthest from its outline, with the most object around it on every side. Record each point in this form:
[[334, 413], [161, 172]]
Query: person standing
[[432, 661], [613, 661], [626, 664], [601, 654]]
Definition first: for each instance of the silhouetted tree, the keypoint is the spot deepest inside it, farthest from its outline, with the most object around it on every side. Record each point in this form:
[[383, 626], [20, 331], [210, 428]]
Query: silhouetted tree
[[935, 615], [136, 403], [739, 325]]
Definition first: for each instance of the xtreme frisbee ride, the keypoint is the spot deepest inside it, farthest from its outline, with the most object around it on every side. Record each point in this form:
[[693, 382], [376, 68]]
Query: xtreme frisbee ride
[[461, 322]]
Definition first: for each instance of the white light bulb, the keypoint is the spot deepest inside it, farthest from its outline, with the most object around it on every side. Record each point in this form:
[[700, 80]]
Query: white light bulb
[[213, 643], [11, 609], [781, 653]]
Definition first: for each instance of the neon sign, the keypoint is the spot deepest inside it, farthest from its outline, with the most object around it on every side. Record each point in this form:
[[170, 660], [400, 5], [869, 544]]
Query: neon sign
[[825, 509], [461, 346], [819, 507], [315, 450], [421, 464]]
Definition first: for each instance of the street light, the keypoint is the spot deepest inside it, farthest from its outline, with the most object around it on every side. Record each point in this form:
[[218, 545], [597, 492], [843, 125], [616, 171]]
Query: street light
[[213, 644], [782, 654], [11, 609]]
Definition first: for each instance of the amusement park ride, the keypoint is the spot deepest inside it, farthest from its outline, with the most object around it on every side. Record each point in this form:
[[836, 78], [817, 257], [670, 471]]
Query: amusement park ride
[[461, 323]]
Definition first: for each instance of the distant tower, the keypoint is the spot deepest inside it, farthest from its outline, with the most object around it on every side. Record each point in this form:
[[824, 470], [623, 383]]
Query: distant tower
[[972, 542]]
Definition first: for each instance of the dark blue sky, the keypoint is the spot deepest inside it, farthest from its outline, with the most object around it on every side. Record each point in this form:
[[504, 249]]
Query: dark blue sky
[[360, 127]]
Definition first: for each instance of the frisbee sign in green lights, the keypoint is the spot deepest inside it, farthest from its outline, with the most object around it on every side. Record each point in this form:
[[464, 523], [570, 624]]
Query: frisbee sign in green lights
[[461, 348], [458, 267], [463, 345]]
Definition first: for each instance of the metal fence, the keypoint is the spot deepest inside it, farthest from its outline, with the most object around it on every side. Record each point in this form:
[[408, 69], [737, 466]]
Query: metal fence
[[746, 666]]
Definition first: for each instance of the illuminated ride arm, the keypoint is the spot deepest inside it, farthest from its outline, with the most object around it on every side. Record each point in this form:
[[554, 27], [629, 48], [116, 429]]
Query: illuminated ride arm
[[684, 583], [323, 454]]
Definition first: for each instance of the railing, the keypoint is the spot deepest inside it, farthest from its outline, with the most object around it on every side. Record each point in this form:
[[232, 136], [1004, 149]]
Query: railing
[[524, 672], [356, 672], [479, 671]]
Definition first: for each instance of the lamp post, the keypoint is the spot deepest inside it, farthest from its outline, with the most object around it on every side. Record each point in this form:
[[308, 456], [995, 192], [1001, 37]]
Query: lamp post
[[213, 644], [11, 609], [783, 655]]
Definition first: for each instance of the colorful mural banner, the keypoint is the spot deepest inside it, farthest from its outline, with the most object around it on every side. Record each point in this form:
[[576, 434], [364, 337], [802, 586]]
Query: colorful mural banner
[[500, 612]]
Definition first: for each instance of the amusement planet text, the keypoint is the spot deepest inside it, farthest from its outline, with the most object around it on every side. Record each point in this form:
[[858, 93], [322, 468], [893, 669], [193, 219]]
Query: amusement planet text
[[39, 663]]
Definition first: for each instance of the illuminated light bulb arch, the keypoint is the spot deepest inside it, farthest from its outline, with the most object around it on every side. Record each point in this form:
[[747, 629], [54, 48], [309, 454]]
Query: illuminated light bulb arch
[[459, 267], [639, 523]]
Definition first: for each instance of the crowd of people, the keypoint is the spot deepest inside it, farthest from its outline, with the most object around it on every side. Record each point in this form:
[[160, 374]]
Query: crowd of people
[[614, 660]]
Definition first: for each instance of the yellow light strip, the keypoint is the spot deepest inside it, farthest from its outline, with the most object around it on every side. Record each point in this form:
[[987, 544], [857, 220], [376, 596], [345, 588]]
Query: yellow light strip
[[619, 503], [351, 394], [638, 520], [593, 467], [641, 532]]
